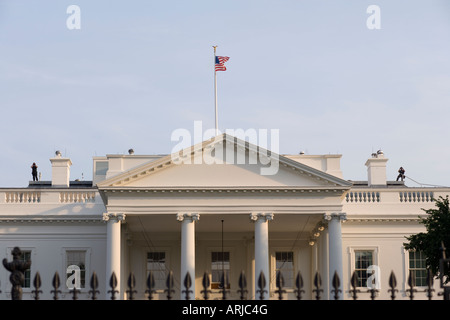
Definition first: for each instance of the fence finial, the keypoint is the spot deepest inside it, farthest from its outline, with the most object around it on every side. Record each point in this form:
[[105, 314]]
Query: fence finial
[[206, 282], [131, 286], [150, 285], [299, 286], [336, 283], [187, 285], [354, 283], [261, 285], [411, 284], [94, 286], [242, 286], [37, 285], [280, 285], [224, 283], [392, 285], [317, 285], [55, 283], [169, 285], [113, 286], [429, 290]]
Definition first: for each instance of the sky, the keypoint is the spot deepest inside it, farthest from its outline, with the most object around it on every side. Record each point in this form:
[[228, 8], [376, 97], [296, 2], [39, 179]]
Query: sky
[[331, 76]]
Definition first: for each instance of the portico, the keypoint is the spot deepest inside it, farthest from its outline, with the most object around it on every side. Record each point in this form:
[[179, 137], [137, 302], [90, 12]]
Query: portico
[[170, 214]]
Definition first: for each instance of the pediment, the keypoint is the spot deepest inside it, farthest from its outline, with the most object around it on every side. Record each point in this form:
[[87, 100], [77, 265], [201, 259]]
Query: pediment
[[224, 162]]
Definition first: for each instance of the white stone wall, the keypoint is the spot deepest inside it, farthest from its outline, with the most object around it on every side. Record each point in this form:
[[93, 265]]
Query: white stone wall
[[48, 242]]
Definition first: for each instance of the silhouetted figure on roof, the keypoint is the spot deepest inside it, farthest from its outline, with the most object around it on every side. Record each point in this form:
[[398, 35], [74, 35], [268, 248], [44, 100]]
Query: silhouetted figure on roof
[[401, 174], [34, 172]]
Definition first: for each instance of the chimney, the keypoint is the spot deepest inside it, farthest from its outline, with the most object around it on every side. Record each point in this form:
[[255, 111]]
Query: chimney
[[60, 170], [376, 169]]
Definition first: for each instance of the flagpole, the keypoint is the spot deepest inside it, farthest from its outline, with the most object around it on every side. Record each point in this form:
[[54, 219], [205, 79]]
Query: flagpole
[[215, 92]]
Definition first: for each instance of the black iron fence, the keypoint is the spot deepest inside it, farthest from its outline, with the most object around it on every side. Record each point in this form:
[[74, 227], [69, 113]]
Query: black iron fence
[[17, 267]]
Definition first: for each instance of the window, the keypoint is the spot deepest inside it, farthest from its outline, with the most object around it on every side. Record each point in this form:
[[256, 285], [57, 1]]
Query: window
[[156, 263], [417, 264], [285, 264], [26, 256], [363, 259], [76, 261], [220, 262]]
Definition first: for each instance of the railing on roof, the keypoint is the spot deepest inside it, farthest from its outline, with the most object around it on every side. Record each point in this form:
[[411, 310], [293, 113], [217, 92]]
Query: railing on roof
[[416, 196], [34, 197], [362, 196], [23, 197], [370, 196], [76, 196]]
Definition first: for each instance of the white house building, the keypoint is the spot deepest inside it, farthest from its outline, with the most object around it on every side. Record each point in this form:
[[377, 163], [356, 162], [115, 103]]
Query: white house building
[[224, 205]]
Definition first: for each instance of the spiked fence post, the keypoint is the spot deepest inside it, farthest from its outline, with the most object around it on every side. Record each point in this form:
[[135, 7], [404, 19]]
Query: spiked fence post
[[94, 286], [37, 285], [113, 286], [392, 285], [373, 288], [187, 285], [354, 283], [243, 286], [150, 285], [206, 283], [75, 293], [336, 283], [317, 285], [224, 283], [261, 285], [443, 262], [131, 285], [280, 285], [169, 285], [430, 281], [373, 293], [55, 283], [411, 284], [299, 286]]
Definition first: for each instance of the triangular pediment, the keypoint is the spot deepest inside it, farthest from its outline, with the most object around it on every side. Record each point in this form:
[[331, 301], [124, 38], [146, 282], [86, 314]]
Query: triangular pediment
[[224, 162]]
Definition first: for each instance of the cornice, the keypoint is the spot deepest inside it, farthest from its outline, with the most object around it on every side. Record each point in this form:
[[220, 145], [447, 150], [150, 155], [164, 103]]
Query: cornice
[[50, 219], [382, 219], [250, 189]]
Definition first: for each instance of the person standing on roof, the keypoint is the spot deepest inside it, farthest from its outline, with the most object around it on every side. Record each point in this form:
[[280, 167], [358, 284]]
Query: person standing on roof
[[34, 172], [401, 174]]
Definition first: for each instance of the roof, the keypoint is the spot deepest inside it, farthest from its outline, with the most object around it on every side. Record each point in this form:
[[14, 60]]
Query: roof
[[48, 184]]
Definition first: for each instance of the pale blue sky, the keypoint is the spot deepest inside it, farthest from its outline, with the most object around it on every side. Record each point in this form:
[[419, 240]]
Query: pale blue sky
[[138, 70]]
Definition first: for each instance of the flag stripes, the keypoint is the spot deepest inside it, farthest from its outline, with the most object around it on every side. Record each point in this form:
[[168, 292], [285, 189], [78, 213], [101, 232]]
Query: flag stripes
[[220, 63]]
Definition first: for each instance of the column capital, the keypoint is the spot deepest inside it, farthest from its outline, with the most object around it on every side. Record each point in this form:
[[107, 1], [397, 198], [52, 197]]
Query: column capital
[[113, 217], [267, 216], [191, 216], [341, 216]]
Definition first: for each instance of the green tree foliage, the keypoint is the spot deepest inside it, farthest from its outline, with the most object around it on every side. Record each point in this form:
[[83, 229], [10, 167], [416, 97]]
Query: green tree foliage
[[437, 224]]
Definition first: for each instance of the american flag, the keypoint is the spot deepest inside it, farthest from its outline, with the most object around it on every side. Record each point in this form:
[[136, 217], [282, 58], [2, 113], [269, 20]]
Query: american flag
[[220, 63]]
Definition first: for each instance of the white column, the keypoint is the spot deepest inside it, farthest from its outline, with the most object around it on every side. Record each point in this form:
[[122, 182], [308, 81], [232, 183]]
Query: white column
[[262, 249], [335, 248], [314, 258], [188, 248], [113, 223]]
